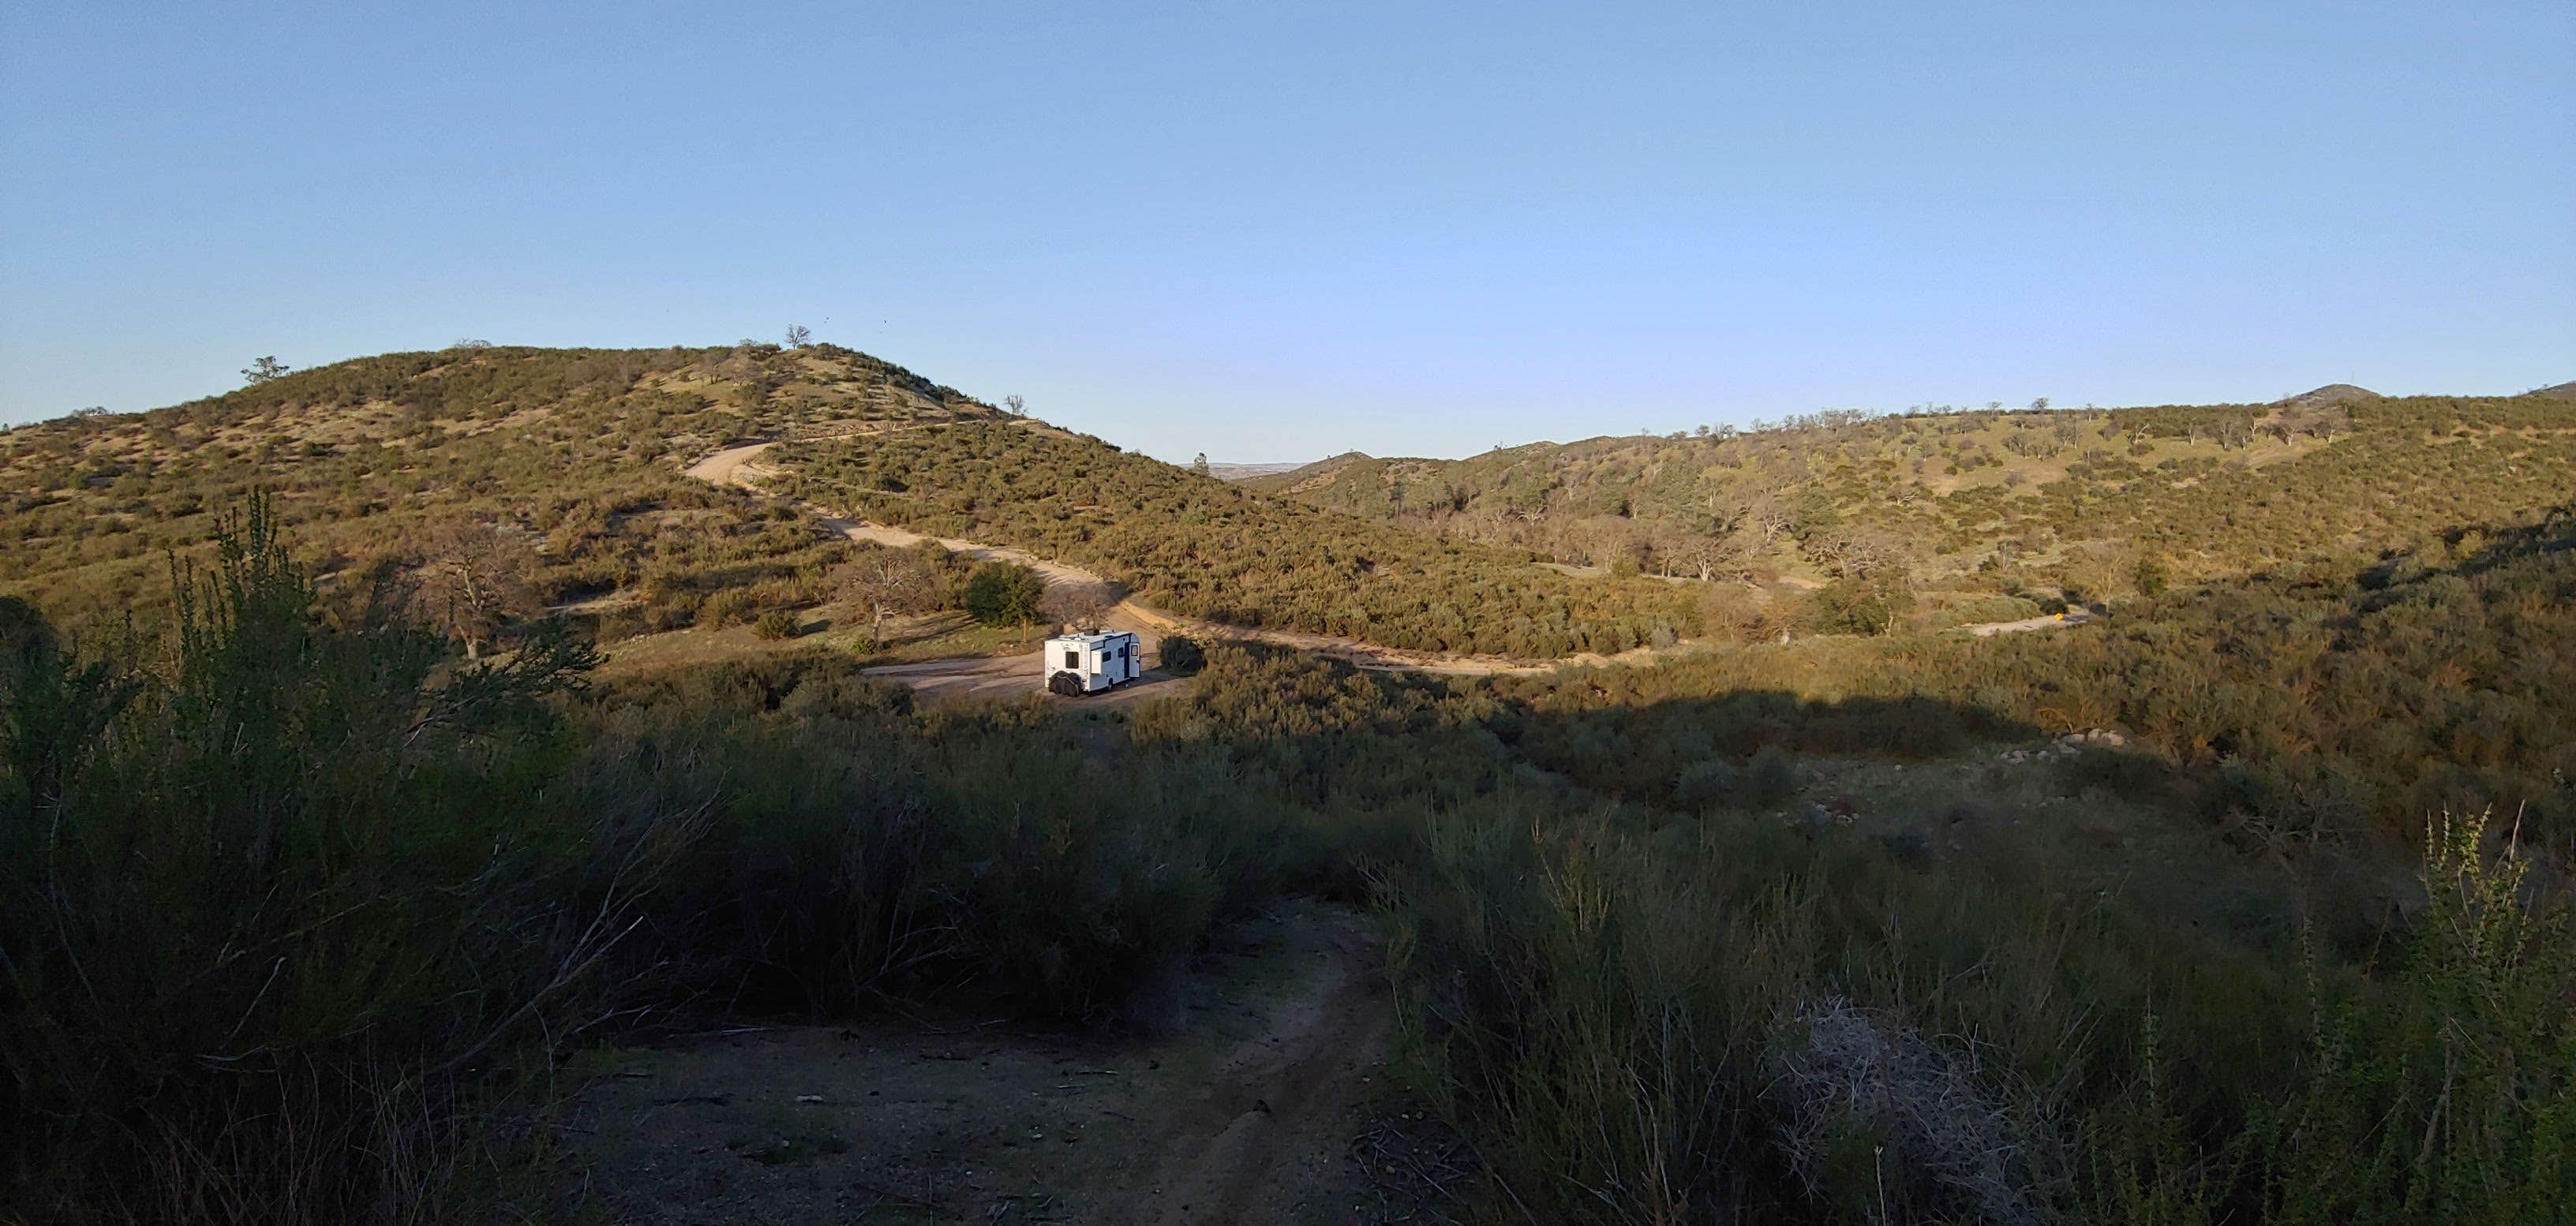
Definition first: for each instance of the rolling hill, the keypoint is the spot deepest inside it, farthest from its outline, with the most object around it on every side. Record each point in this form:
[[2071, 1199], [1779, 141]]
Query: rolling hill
[[2073, 500], [573, 455], [1209, 549], [571, 462], [339, 919]]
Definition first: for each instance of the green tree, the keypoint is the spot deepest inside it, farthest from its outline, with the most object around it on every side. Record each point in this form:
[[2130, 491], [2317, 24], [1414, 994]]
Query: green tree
[[1004, 594]]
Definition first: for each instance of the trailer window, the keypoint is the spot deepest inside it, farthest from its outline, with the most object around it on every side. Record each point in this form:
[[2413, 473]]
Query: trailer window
[[1072, 658]]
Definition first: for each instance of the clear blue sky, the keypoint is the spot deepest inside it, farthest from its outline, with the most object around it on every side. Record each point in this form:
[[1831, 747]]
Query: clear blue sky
[[1278, 230]]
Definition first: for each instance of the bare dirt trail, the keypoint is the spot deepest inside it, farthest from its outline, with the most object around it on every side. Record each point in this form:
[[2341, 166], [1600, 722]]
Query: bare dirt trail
[[2052, 621], [1248, 1112]]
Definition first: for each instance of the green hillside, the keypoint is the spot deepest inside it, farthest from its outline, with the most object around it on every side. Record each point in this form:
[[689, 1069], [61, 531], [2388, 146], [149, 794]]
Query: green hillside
[[566, 465], [1994, 501], [321, 928], [1202, 547], [303, 919], [569, 458]]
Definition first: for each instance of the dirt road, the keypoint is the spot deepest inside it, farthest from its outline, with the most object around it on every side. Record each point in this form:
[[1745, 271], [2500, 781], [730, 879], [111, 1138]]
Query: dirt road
[[1014, 677], [2053, 621], [740, 466], [1245, 1112]]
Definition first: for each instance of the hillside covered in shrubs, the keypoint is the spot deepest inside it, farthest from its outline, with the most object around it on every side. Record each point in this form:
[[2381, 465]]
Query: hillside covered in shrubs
[[1201, 547], [552, 475], [309, 920], [2245, 903], [2080, 501]]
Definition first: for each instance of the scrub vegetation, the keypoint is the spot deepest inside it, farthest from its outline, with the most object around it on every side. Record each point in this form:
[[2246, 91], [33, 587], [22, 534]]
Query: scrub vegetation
[[565, 463], [1192, 544], [2083, 504], [317, 895]]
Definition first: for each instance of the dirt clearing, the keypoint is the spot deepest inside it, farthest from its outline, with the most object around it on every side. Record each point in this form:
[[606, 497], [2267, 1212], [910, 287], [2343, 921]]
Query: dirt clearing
[[1260, 1107]]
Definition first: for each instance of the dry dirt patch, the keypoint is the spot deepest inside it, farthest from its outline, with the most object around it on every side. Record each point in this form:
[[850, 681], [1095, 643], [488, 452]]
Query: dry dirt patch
[[1248, 1113]]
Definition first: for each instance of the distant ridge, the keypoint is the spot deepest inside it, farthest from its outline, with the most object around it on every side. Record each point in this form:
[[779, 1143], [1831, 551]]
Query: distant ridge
[[1334, 463], [1242, 472], [2330, 394], [2562, 391]]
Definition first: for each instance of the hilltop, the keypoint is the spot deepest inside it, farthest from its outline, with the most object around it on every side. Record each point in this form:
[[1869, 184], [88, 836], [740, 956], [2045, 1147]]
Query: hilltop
[[2328, 396], [571, 456]]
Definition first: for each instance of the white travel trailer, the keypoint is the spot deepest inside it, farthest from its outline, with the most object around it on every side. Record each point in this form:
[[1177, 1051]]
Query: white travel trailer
[[1076, 664]]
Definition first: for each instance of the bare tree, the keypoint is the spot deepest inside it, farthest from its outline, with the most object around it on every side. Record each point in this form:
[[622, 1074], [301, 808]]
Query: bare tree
[[1076, 604], [1861, 554], [472, 580], [1013, 405], [887, 582], [2235, 430], [1766, 514], [1200, 466], [799, 336], [2039, 404], [264, 370], [2328, 422], [1725, 551]]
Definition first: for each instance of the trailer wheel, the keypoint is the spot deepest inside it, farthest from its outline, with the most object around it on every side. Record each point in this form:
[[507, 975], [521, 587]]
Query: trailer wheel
[[1065, 684]]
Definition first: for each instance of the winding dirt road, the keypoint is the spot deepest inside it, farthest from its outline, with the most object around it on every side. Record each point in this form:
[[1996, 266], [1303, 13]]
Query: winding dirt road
[[740, 467]]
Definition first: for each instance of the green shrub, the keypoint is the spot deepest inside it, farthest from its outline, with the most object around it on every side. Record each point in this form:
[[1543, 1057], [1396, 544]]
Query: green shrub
[[731, 607], [1003, 594], [2153, 577], [256, 965], [2450, 1097], [1860, 606], [1770, 779], [1181, 654], [775, 624], [1705, 785], [1982, 610]]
